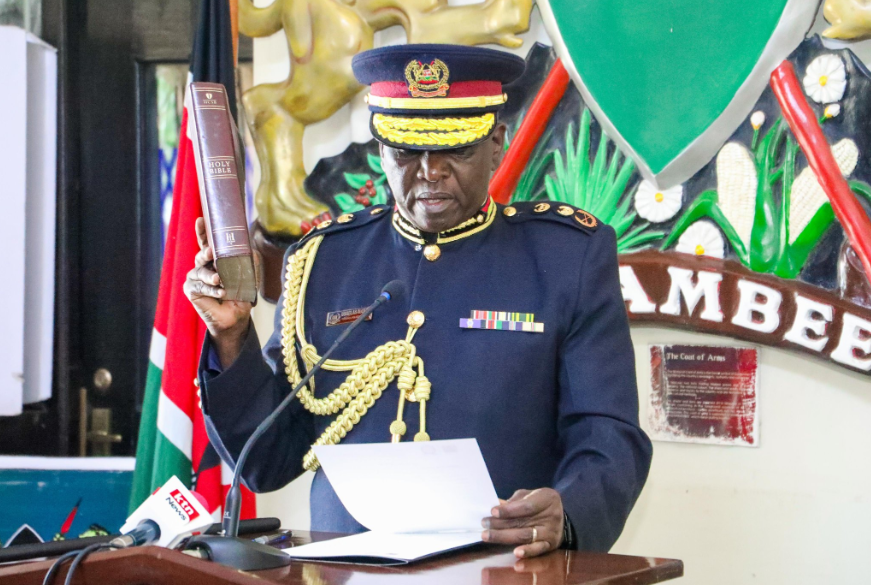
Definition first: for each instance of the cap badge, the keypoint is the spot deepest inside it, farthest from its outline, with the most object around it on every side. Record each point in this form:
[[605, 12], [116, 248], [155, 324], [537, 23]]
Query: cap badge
[[427, 79]]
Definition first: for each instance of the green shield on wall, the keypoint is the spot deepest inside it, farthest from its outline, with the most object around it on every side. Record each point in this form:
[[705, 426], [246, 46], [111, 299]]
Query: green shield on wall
[[671, 80]]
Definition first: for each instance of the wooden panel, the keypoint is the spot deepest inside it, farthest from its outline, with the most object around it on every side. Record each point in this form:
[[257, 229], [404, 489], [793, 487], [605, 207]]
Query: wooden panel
[[482, 565]]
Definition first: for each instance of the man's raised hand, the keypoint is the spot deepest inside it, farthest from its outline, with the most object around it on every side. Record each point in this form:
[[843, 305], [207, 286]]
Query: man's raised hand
[[227, 321]]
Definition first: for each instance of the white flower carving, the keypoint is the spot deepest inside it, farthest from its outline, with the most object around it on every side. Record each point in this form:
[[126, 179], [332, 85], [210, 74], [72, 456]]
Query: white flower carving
[[702, 238], [657, 205], [757, 119], [826, 79]]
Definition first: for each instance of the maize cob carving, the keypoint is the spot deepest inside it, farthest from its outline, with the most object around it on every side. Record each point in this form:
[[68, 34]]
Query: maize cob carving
[[807, 194], [736, 188]]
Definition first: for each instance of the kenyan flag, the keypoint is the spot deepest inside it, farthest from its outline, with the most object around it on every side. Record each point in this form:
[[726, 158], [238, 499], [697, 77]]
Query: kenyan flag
[[172, 437]]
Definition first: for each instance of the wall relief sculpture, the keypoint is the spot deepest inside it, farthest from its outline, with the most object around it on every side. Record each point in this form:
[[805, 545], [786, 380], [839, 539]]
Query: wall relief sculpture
[[850, 19], [751, 244], [322, 37]]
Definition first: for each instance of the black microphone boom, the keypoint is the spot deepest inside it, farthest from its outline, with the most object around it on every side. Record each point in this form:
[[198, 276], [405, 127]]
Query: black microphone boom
[[244, 554], [232, 508]]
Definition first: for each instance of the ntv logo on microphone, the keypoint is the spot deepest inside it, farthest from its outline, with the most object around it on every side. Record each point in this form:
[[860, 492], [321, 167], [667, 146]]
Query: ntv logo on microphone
[[181, 506]]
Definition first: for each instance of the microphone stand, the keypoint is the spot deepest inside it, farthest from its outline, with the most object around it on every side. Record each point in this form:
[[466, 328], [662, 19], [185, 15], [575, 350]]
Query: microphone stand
[[227, 548]]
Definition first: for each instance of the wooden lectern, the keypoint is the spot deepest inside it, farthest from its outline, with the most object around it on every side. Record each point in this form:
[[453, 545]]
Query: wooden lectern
[[480, 565]]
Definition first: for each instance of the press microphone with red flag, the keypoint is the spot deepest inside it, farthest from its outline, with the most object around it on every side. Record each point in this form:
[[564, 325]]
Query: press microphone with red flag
[[171, 513]]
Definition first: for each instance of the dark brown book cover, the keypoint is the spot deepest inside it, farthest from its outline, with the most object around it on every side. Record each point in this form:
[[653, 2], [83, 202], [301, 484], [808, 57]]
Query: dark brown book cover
[[216, 151]]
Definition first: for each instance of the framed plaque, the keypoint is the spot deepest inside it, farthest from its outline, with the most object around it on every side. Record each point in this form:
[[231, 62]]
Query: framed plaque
[[704, 394]]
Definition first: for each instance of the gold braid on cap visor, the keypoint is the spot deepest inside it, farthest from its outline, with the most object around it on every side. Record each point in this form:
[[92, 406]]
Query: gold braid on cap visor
[[433, 131]]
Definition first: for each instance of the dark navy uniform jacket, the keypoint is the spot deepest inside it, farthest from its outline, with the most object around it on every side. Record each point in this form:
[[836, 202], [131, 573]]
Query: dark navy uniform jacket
[[553, 409]]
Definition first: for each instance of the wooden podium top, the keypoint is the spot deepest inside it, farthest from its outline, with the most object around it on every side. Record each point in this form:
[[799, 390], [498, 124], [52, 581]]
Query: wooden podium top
[[480, 565]]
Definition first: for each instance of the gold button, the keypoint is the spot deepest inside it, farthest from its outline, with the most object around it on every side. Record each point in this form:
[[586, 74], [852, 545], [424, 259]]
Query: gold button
[[346, 218], [416, 319], [541, 207], [432, 252], [509, 211], [480, 218], [376, 210], [325, 224], [565, 210]]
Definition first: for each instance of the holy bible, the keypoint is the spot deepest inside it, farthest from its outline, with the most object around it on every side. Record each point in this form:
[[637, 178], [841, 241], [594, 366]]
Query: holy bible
[[218, 157]]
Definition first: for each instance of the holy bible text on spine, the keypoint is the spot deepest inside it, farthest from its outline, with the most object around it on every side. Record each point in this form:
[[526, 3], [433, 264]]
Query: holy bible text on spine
[[216, 151]]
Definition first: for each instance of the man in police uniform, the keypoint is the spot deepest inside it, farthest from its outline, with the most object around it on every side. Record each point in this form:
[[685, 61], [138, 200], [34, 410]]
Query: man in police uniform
[[512, 330]]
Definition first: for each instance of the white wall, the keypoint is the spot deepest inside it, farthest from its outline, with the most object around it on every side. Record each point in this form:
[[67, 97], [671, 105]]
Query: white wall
[[796, 509]]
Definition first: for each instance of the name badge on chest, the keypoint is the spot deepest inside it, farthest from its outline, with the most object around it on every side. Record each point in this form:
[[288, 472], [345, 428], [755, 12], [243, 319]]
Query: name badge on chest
[[345, 316], [502, 321]]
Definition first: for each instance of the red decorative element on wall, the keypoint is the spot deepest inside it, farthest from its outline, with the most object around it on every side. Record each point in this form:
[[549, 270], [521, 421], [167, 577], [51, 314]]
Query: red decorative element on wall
[[70, 517], [803, 122], [534, 123]]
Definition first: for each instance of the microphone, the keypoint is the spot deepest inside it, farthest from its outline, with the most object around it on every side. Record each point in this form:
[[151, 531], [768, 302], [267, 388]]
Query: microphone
[[392, 289], [168, 515], [145, 532], [243, 554]]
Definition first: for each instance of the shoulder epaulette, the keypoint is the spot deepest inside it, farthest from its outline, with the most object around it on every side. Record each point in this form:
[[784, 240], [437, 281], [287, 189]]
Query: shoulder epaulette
[[348, 221], [551, 211]]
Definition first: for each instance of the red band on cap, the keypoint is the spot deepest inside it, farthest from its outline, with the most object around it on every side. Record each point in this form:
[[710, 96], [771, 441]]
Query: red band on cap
[[459, 89]]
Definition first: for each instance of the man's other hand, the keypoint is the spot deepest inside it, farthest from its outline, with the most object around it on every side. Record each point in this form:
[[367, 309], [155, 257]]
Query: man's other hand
[[532, 519], [227, 321]]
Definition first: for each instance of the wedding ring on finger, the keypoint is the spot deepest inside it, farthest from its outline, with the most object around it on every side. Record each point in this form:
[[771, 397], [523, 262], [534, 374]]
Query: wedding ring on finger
[[534, 534]]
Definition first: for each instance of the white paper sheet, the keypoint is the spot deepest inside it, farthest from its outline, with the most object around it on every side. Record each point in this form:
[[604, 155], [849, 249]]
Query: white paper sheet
[[385, 545], [416, 498]]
